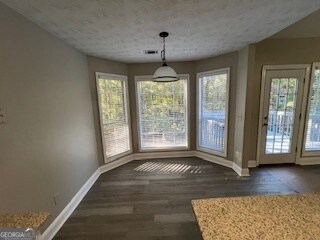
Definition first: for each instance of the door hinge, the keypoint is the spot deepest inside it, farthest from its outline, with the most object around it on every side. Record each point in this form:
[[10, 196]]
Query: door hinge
[[304, 80], [296, 149], [300, 116]]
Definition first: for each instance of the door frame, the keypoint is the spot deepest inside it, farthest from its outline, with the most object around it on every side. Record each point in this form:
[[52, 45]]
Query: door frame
[[305, 92]]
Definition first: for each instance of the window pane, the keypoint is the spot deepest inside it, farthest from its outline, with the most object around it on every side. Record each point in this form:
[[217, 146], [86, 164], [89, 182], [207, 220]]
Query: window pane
[[162, 114], [213, 109], [115, 126], [313, 121]]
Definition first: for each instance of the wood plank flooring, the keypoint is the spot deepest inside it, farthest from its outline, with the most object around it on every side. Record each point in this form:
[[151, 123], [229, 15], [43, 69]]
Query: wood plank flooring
[[151, 199]]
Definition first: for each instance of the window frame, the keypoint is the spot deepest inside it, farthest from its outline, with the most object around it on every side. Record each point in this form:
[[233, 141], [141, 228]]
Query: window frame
[[198, 111], [138, 78], [127, 111], [310, 153]]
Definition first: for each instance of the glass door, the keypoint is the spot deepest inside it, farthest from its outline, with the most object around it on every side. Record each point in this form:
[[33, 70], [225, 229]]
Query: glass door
[[283, 92]]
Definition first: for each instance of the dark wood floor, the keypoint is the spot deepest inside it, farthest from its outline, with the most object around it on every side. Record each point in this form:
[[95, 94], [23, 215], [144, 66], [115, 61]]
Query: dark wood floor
[[152, 199]]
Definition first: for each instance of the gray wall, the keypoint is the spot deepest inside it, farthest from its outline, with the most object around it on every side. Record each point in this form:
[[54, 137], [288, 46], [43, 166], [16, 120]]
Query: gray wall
[[249, 118], [48, 144], [240, 110]]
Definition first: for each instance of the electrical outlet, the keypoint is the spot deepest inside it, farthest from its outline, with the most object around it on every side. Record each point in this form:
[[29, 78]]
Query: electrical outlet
[[56, 198]]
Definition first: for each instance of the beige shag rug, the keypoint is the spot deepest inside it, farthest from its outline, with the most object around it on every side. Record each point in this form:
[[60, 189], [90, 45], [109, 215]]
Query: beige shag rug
[[23, 220], [259, 217]]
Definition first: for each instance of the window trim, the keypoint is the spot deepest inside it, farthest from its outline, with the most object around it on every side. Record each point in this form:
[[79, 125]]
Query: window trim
[[127, 111], [199, 101], [138, 78], [311, 153]]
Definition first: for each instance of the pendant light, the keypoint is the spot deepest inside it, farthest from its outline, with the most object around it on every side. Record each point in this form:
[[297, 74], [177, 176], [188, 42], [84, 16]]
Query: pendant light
[[164, 73]]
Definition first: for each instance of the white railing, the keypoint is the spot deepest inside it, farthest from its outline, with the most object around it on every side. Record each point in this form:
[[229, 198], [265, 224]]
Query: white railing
[[162, 132], [212, 134], [280, 122], [313, 132]]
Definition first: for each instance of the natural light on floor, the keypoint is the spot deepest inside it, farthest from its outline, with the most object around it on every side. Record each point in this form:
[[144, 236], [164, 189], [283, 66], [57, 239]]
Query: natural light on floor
[[170, 168]]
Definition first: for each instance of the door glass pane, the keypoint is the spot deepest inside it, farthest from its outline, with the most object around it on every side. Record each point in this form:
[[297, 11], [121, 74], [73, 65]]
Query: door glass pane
[[313, 121], [283, 95]]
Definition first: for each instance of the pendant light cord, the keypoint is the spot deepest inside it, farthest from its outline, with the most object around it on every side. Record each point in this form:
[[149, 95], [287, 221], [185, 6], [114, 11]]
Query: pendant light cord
[[163, 52]]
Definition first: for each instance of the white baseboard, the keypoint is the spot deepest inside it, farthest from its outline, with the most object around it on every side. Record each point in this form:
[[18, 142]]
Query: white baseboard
[[116, 163], [213, 159], [221, 161], [300, 161], [309, 161], [252, 163], [243, 172], [54, 227]]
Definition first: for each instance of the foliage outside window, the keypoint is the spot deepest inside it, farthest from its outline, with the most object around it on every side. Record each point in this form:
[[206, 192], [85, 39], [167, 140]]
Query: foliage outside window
[[113, 107], [162, 114]]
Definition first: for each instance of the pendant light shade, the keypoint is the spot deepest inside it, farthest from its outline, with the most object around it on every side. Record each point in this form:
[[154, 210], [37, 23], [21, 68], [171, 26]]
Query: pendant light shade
[[164, 73]]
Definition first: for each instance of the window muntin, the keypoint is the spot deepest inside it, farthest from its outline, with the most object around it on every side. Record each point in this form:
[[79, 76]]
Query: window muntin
[[213, 94], [114, 115], [162, 113]]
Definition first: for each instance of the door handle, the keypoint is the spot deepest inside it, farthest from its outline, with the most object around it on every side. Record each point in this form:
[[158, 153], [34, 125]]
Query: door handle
[[266, 121]]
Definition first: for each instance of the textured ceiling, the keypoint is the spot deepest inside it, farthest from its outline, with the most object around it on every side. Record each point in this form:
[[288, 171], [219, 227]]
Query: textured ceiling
[[121, 29]]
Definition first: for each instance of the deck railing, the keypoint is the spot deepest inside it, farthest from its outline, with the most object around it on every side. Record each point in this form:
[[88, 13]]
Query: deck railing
[[313, 133], [212, 134], [280, 122]]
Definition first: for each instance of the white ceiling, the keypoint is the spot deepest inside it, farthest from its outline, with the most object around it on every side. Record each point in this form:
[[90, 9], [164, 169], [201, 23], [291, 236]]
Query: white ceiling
[[121, 29]]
